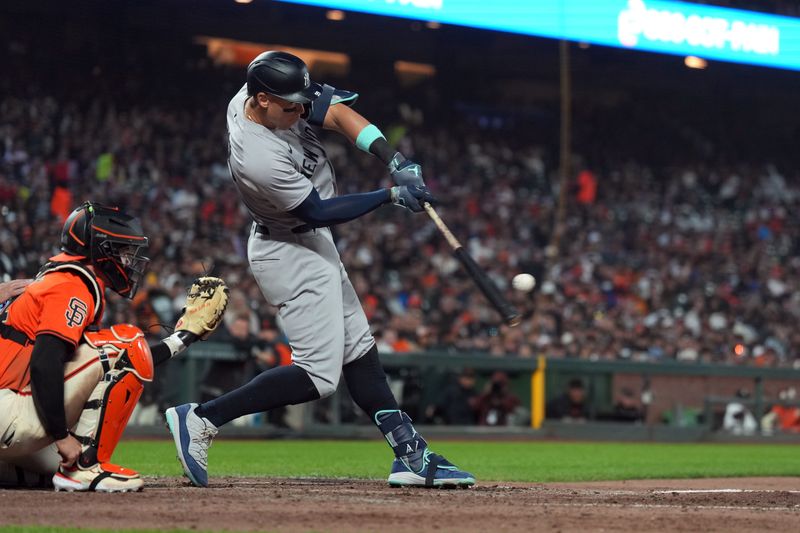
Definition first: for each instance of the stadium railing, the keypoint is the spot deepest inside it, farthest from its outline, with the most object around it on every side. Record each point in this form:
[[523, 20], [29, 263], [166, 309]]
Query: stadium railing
[[667, 391]]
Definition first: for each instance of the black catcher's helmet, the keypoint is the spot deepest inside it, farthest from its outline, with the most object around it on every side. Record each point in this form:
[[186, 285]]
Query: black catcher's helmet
[[281, 74], [111, 241]]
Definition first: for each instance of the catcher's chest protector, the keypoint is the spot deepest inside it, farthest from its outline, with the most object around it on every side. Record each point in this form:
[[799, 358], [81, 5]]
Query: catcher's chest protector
[[127, 363], [16, 346], [86, 276]]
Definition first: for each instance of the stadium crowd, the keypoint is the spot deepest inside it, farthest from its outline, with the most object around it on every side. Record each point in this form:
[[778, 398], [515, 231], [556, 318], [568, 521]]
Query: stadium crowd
[[696, 262]]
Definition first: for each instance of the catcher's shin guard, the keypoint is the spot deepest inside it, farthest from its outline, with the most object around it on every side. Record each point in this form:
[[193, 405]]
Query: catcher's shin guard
[[415, 464], [128, 364]]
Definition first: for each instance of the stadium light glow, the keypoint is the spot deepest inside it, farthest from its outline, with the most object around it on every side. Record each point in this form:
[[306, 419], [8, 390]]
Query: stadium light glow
[[335, 14], [667, 27], [409, 72], [695, 62]]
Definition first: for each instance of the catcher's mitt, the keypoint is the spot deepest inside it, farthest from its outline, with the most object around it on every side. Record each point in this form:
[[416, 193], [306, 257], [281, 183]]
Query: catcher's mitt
[[205, 305]]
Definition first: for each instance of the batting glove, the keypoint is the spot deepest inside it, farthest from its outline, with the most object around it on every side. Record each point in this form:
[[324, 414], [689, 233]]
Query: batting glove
[[405, 172], [412, 197]]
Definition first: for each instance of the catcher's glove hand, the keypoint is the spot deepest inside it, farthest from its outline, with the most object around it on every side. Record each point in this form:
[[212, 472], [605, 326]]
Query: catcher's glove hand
[[205, 305]]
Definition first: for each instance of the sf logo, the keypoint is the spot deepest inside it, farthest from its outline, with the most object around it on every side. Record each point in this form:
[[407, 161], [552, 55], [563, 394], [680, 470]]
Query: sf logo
[[76, 313]]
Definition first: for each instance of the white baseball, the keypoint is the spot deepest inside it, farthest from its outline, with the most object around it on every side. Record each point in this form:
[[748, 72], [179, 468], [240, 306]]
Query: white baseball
[[523, 282]]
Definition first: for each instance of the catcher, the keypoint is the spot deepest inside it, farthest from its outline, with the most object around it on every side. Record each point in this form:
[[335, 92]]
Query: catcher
[[68, 387]]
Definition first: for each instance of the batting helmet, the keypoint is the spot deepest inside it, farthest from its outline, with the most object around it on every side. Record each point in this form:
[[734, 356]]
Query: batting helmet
[[281, 74], [111, 241]]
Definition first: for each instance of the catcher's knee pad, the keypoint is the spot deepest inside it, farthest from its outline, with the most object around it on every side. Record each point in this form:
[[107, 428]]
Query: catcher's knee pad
[[128, 364], [122, 347]]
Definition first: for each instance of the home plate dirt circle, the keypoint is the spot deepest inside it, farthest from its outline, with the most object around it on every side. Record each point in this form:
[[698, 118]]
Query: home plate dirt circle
[[260, 504]]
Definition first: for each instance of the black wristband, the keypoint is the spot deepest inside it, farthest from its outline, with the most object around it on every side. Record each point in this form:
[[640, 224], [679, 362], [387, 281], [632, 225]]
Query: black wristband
[[381, 149], [187, 337]]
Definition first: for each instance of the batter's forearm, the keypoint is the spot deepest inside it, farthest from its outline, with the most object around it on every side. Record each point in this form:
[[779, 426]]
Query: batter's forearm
[[358, 129], [346, 121], [319, 213], [47, 383]]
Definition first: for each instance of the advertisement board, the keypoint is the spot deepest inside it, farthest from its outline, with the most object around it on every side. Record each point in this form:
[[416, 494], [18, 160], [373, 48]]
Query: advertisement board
[[666, 27]]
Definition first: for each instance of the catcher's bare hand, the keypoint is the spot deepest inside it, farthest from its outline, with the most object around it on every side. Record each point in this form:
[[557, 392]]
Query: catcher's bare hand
[[205, 306], [69, 449]]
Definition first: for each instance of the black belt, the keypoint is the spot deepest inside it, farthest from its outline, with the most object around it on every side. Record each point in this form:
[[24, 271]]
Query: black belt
[[14, 335], [263, 230]]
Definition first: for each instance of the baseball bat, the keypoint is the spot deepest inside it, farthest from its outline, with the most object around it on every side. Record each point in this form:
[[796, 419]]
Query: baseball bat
[[488, 288]]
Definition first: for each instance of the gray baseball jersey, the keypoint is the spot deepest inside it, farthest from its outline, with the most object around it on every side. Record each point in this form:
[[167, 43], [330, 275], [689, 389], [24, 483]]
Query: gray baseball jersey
[[300, 273]]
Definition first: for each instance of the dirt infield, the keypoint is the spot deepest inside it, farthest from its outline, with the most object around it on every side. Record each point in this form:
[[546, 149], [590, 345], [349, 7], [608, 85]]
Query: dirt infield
[[248, 504]]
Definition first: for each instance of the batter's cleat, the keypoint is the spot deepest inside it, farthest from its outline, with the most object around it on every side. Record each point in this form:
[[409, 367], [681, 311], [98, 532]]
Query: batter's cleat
[[436, 472], [415, 464], [104, 477], [192, 435]]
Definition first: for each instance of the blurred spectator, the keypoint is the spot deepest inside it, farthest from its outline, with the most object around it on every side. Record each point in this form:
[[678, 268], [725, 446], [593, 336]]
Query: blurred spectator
[[738, 419], [224, 375], [627, 408], [569, 406], [458, 404], [269, 352], [497, 403], [587, 188], [783, 417]]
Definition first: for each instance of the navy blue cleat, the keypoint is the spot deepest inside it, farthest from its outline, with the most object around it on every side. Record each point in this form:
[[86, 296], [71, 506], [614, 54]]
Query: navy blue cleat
[[192, 435], [436, 472], [415, 464]]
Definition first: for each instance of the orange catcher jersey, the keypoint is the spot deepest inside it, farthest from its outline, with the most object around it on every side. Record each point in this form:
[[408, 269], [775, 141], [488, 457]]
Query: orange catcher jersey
[[58, 303]]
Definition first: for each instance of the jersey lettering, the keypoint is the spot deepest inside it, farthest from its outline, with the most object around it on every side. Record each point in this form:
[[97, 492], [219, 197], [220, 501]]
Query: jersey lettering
[[308, 154], [76, 314], [310, 158], [310, 137], [308, 168]]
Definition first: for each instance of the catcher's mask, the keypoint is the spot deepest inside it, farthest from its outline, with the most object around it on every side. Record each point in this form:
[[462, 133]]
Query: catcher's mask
[[112, 241]]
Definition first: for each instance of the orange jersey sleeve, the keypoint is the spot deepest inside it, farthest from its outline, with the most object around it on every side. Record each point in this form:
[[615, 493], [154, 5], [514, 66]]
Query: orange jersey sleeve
[[58, 304]]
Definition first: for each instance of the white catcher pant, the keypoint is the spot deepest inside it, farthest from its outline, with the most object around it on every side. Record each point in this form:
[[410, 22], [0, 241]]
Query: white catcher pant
[[23, 439], [318, 308]]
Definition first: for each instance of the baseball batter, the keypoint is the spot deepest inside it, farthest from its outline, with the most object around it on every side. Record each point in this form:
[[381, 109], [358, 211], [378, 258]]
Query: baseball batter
[[67, 387], [288, 184]]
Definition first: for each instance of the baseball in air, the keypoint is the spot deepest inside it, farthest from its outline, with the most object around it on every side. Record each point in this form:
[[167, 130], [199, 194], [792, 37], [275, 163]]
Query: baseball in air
[[523, 282]]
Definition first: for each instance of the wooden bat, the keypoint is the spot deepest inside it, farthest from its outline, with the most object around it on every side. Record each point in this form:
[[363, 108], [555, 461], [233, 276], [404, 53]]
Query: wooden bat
[[488, 288]]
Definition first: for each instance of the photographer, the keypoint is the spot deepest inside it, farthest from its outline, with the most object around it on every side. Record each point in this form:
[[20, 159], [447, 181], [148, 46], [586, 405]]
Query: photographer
[[497, 402]]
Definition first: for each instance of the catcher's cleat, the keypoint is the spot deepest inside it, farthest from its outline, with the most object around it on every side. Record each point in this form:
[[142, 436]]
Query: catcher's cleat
[[192, 435], [436, 472], [105, 477]]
